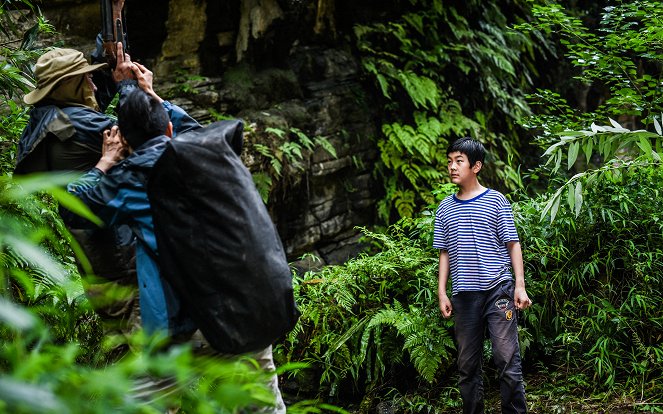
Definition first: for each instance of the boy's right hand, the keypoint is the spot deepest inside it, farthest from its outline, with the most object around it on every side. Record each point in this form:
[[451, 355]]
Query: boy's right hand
[[445, 306]]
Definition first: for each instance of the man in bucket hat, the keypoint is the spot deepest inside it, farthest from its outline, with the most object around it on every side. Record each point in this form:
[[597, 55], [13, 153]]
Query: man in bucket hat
[[65, 133], [65, 127], [59, 66]]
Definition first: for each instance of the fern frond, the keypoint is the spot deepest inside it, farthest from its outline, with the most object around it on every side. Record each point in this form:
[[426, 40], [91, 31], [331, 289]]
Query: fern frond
[[422, 90], [326, 145]]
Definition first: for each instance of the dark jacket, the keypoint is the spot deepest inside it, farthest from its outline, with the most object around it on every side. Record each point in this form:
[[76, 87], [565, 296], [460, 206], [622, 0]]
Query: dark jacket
[[69, 138], [64, 138]]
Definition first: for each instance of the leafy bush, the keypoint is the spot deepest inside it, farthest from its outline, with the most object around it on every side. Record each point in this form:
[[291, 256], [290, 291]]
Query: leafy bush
[[52, 359], [597, 281], [615, 64], [595, 266], [17, 53], [368, 322], [623, 149]]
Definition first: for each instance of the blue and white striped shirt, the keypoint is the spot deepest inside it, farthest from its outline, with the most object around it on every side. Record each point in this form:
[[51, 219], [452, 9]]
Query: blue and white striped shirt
[[475, 232]]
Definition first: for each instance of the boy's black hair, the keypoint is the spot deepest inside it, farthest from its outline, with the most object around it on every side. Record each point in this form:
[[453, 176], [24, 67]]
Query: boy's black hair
[[141, 117], [474, 149]]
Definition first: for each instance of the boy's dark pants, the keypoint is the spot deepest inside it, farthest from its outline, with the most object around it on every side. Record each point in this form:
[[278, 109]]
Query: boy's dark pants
[[473, 312]]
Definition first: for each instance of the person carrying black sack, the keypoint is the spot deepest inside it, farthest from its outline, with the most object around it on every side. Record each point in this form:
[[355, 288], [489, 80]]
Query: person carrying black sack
[[116, 191]]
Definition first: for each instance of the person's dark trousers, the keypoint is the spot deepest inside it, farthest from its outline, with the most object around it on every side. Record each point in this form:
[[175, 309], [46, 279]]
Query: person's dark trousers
[[473, 312]]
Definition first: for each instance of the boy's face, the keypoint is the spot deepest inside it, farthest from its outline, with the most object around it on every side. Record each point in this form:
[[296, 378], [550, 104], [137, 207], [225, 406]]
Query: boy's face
[[460, 170]]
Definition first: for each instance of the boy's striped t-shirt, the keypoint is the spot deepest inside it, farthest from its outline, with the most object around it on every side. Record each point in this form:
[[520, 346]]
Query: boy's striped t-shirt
[[475, 232]]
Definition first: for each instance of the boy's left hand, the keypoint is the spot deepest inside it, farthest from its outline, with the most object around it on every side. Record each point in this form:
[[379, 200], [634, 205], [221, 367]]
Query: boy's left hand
[[521, 299]]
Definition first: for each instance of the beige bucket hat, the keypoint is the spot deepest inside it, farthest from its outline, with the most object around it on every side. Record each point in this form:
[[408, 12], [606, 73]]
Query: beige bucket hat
[[55, 65]]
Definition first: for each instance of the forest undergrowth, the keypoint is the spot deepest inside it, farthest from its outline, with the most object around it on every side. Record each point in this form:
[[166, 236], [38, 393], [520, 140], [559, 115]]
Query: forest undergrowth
[[372, 330], [371, 336]]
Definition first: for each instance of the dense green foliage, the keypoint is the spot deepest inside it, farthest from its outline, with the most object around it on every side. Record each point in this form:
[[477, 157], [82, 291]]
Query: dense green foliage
[[373, 322], [621, 59], [593, 269], [17, 53], [446, 70], [618, 58], [625, 150], [597, 278], [55, 357], [370, 329], [358, 319]]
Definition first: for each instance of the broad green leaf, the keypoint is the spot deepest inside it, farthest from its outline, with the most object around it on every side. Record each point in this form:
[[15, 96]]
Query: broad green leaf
[[567, 135], [615, 123], [553, 147], [555, 209], [573, 154], [578, 198], [34, 183], [657, 126], [615, 127], [30, 397], [645, 146], [558, 161], [75, 205], [551, 202], [570, 196], [595, 128]]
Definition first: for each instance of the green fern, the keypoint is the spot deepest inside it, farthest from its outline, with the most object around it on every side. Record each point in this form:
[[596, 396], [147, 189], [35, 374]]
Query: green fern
[[416, 155], [422, 90], [353, 326], [428, 346], [415, 61], [284, 156]]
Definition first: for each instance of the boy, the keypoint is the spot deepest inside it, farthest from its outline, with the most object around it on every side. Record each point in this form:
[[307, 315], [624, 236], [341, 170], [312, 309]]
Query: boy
[[479, 247]]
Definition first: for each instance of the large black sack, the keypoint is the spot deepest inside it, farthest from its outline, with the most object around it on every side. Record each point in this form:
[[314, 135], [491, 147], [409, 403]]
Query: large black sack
[[217, 244]]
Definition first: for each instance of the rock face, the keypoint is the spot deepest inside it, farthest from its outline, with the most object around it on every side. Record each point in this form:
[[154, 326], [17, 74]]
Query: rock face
[[278, 65], [185, 31]]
